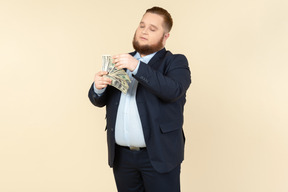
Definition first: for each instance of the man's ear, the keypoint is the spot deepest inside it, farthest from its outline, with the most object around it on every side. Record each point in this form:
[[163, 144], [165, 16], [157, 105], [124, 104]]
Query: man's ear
[[166, 35]]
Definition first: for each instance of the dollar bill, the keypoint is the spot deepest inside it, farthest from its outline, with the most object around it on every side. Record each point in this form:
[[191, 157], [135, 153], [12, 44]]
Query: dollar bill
[[106, 60], [119, 77], [119, 84]]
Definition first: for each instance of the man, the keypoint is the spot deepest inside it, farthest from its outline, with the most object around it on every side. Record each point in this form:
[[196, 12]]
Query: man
[[144, 126]]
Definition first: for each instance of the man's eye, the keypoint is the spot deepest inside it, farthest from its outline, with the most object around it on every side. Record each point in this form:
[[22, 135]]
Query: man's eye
[[142, 26]]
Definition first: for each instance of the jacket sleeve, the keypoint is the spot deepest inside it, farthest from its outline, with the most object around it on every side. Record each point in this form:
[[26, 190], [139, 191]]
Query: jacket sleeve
[[169, 85], [99, 101]]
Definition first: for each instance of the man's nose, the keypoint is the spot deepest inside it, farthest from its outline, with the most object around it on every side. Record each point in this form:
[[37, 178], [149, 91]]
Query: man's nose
[[144, 31]]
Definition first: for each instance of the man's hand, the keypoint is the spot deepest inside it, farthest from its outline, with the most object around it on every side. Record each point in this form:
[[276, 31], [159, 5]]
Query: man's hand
[[101, 82], [125, 61]]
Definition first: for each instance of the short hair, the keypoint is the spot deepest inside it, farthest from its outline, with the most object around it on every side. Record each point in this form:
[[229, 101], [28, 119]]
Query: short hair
[[168, 21]]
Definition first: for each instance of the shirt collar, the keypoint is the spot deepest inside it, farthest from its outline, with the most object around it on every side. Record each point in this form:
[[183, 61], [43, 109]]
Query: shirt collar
[[146, 58]]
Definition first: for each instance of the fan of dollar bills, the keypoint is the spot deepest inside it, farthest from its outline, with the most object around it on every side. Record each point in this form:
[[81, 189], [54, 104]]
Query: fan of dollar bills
[[119, 77]]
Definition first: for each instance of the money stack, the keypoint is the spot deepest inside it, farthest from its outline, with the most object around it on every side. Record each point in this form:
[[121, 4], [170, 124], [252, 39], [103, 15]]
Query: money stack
[[119, 77]]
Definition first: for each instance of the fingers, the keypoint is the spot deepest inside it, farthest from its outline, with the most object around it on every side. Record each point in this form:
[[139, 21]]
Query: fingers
[[101, 81], [117, 60], [121, 58], [101, 73], [125, 61]]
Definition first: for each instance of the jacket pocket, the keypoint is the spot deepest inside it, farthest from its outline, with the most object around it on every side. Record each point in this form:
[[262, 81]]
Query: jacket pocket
[[171, 126]]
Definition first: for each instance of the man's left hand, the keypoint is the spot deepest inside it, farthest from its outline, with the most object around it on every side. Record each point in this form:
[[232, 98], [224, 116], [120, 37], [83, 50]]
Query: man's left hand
[[125, 61]]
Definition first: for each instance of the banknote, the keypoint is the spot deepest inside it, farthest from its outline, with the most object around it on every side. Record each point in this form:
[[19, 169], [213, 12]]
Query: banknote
[[119, 77]]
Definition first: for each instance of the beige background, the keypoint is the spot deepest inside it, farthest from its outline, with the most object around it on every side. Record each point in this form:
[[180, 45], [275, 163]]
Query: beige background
[[52, 139]]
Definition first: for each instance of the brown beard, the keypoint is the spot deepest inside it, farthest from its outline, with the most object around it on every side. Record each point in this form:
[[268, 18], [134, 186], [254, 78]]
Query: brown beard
[[147, 49]]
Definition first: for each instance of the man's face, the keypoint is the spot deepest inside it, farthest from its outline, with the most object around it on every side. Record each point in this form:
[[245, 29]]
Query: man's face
[[150, 35]]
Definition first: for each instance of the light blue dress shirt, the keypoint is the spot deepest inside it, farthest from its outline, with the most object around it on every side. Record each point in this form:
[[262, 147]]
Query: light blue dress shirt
[[128, 128]]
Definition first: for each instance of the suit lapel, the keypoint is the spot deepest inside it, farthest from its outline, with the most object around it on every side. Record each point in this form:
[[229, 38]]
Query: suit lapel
[[154, 62]]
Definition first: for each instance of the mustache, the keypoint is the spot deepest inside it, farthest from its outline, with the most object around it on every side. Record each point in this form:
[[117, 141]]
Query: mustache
[[147, 49]]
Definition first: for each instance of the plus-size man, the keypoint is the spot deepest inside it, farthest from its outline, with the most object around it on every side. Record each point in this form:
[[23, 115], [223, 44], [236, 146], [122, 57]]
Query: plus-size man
[[144, 126]]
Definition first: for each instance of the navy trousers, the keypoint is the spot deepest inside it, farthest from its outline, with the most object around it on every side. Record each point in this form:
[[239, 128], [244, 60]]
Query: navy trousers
[[133, 172]]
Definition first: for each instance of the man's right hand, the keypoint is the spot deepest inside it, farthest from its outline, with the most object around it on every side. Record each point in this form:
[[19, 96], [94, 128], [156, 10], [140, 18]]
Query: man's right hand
[[100, 81]]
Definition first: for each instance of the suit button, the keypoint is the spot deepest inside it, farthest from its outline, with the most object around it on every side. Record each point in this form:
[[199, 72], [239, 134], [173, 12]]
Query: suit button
[[112, 129]]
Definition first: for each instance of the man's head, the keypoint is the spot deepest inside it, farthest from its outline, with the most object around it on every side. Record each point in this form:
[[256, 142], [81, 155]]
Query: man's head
[[153, 31]]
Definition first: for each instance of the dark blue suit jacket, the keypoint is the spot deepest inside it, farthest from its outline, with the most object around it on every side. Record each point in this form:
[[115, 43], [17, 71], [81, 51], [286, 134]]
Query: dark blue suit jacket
[[161, 95]]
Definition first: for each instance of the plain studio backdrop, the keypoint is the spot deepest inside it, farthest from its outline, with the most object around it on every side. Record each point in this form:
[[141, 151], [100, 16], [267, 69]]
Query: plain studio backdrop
[[53, 140]]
